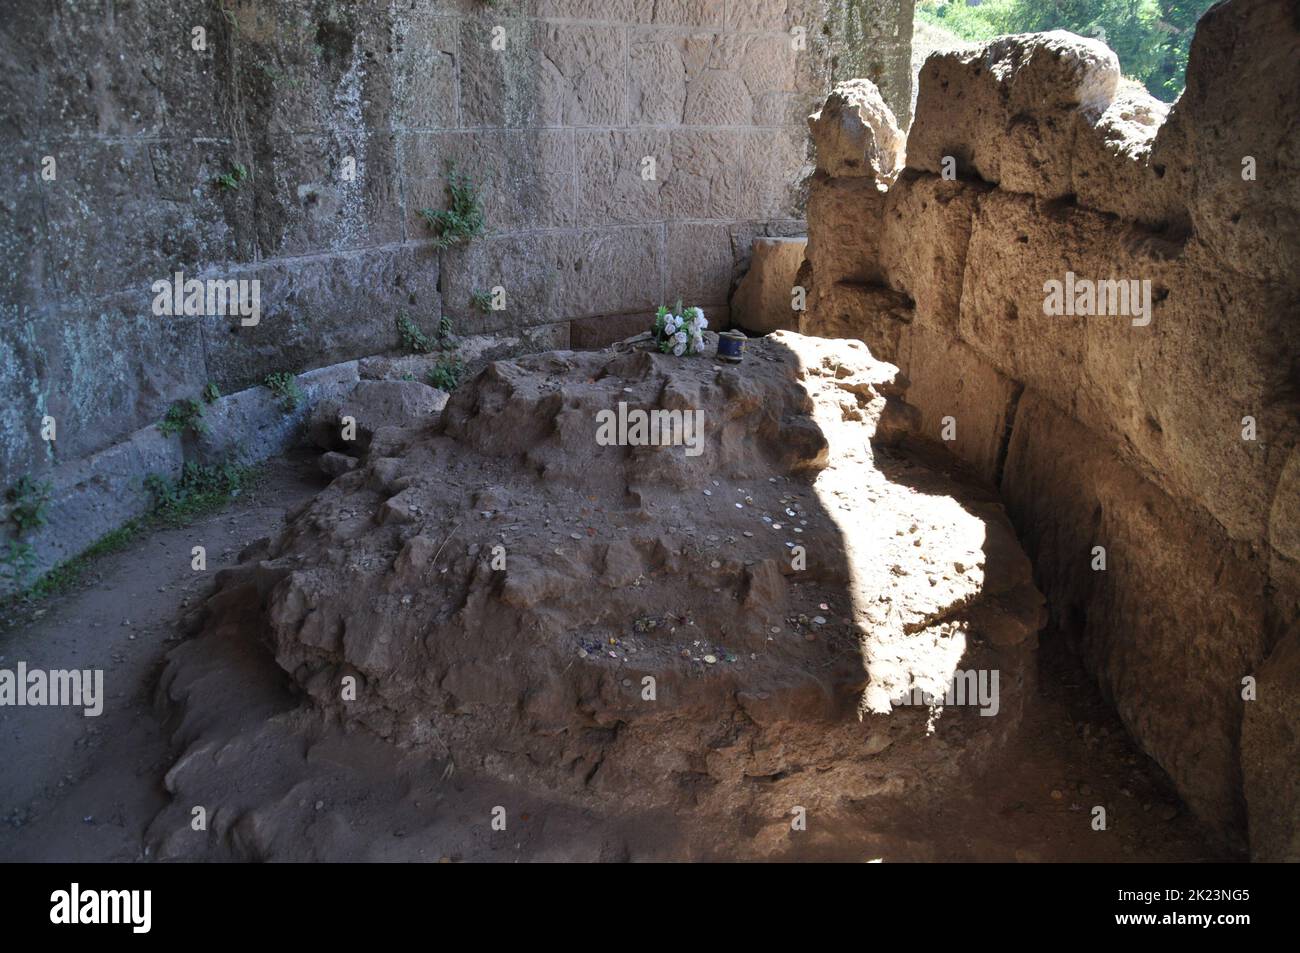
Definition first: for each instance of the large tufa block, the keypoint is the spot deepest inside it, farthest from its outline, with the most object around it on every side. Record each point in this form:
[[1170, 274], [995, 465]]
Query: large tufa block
[[927, 228], [855, 133], [1111, 166], [964, 403], [1230, 139], [844, 217], [1006, 112], [763, 302], [1174, 621], [874, 314]]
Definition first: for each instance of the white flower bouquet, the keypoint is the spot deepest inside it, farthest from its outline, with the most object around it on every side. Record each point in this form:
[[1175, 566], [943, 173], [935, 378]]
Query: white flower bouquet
[[681, 332]]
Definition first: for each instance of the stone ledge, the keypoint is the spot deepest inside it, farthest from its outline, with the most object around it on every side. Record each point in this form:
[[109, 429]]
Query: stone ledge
[[97, 494]]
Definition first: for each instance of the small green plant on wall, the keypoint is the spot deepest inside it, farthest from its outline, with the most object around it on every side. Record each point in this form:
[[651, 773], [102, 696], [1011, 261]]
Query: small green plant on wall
[[199, 491], [446, 374], [286, 390], [17, 561], [231, 180], [463, 219], [183, 415], [415, 341], [28, 504], [28, 510]]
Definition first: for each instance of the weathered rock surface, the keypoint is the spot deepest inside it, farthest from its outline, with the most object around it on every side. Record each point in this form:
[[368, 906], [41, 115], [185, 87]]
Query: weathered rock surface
[[1166, 435], [855, 134], [638, 625], [371, 404], [763, 302], [1272, 784], [1006, 111]]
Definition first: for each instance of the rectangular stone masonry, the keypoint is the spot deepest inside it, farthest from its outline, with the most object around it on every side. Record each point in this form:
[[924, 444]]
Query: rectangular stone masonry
[[124, 215], [313, 67], [95, 495], [622, 175], [141, 126], [305, 202], [701, 261], [1141, 384], [327, 307], [99, 367], [548, 74], [523, 179], [426, 84], [548, 275]]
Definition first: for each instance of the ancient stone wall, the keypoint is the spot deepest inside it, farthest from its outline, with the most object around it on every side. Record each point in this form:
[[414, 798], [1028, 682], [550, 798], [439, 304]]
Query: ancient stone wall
[[1166, 435], [118, 129]]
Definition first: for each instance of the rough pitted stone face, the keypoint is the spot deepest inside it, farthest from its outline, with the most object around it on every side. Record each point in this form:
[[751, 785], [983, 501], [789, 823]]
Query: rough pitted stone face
[[371, 405], [1004, 112], [1171, 442], [855, 133], [1242, 73], [1111, 167], [763, 302], [622, 563]]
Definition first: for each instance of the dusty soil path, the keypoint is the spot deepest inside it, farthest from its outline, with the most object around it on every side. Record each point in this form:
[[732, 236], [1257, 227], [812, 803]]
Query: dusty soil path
[[78, 788], [84, 789]]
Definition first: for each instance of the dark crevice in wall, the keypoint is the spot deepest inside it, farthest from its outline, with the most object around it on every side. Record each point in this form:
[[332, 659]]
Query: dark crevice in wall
[[1005, 444]]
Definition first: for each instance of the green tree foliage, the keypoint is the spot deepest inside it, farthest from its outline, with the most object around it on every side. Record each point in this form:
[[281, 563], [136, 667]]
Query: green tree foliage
[[1150, 37]]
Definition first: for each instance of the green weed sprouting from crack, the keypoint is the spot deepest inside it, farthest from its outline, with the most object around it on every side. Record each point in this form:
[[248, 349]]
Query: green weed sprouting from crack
[[446, 374], [199, 491], [231, 180], [481, 300], [414, 341], [284, 386], [183, 415], [463, 219], [28, 504], [17, 561]]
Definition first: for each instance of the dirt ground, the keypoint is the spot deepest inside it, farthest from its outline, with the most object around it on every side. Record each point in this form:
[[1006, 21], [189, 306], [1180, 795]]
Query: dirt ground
[[85, 789]]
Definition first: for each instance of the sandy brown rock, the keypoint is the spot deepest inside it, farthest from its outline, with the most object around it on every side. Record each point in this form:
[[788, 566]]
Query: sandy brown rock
[[763, 302], [1242, 71], [855, 133], [844, 218], [862, 310], [964, 404], [501, 588], [1167, 434], [1005, 111], [926, 225], [1111, 167]]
